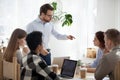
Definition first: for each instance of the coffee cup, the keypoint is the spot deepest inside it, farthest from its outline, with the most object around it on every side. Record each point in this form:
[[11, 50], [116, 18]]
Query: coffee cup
[[83, 72], [50, 67], [55, 68]]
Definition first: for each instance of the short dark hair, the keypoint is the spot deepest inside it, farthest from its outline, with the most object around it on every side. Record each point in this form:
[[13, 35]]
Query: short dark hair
[[100, 37], [44, 8], [113, 35], [34, 39]]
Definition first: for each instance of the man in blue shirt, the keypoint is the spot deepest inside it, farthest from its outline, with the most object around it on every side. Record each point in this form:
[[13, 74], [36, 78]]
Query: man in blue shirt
[[43, 24]]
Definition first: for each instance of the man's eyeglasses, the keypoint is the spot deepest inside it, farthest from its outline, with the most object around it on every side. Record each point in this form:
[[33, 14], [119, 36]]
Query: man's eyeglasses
[[49, 15]]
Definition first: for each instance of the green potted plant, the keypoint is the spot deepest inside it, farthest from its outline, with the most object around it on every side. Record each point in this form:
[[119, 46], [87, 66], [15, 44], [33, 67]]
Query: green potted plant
[[79, 63], [64, 17]]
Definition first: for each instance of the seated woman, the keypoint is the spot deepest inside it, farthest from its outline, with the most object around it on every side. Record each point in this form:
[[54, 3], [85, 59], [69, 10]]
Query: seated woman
[[100, 43], [16, 46], [33, 66]]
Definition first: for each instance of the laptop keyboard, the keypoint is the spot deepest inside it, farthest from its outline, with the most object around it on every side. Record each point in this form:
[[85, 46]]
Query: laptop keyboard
[[64, 76]]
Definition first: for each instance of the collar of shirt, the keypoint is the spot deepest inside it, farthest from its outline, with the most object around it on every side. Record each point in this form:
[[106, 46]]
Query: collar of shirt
[[39, 20], [33, 53], [116, 47]]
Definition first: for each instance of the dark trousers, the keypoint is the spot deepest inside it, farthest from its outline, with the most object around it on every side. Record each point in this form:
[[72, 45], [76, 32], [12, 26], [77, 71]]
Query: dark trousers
[[47, 58]]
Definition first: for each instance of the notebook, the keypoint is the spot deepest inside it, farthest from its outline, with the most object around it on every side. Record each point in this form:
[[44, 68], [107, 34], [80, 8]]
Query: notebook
[[68, 69]]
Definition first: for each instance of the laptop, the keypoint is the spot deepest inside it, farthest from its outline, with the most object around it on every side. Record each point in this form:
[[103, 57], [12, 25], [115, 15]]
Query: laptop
[[68, 69]]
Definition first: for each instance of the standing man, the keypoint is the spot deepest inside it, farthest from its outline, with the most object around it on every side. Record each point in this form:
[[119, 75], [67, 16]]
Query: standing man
[[43, 24], [107, 63]]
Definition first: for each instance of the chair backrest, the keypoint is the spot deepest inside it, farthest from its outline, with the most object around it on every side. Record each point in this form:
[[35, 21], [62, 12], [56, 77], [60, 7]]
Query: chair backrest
[[59, 60], [91, 53], [117, 71], [1, 66], [2, 49], [11, 70]]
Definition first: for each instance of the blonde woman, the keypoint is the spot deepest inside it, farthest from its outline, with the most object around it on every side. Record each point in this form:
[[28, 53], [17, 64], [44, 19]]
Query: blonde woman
[[16, 46]]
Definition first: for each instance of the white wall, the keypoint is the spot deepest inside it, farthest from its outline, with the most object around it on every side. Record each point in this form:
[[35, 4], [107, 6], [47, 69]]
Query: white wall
[[89, 16], [105, 15], [108, 15], [8, 14], [117, 13]]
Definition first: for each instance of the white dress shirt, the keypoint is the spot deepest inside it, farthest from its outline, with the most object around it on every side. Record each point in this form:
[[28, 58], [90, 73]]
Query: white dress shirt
[[47, 29]]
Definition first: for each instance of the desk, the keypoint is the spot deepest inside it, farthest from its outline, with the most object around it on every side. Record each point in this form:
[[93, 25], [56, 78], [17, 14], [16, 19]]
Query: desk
[[89, 76]]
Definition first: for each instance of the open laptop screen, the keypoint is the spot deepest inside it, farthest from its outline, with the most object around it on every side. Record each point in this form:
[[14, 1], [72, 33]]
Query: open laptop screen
[[68, 68]]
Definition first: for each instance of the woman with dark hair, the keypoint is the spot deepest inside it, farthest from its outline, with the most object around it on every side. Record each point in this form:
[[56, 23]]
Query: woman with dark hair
[[100, 43], [34, 67]]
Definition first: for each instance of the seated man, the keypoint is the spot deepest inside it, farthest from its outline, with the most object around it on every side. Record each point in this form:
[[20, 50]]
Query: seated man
[[107, 64], [33, 66]]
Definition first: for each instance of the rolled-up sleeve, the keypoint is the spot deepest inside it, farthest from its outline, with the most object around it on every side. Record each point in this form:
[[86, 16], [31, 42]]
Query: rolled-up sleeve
[[58, 35]]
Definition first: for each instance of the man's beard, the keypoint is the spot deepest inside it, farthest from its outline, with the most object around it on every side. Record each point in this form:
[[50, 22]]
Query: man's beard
[[47, 20]]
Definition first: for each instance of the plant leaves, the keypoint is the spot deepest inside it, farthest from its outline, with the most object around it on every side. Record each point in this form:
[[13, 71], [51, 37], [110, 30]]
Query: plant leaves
[[64, 17], [54, 4], [68, 20]]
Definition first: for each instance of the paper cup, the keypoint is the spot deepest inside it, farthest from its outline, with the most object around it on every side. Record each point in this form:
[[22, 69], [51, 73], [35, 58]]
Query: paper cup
[[55, 68], [83, 72]]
